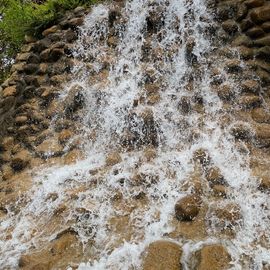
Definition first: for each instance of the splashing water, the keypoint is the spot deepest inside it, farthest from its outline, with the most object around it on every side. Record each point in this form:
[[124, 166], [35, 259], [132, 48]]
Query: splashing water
[[146, 70]]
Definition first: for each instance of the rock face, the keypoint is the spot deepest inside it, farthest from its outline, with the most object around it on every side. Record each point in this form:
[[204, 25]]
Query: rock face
[[161, 255], [66, 245], [246, 24], [214, 257], [28, 98]]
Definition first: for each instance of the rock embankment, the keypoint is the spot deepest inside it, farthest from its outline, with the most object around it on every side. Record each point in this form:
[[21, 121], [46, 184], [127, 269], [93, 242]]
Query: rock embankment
[[28, 99]]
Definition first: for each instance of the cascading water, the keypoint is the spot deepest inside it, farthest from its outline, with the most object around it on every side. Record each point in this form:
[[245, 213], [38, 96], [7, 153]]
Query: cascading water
[[146, 73]]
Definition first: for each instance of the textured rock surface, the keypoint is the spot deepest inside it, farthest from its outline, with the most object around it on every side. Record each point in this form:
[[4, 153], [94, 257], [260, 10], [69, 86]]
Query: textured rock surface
[[214, 257], [162, 255]]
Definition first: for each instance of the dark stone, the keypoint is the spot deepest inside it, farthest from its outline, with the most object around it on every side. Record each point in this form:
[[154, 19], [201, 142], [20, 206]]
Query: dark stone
[[187, 208], [246, 24], [230, 26], [260, 14], [264, 41], [263, 53], [184, 105], [114, 15], [29, 92], [254, 3], [30, 68], [255, 32], [7, 103], [266, 27]]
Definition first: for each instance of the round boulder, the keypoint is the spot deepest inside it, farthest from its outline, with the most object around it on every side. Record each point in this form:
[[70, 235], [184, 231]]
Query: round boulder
[[187, 208], [161, 255], [214, 257]]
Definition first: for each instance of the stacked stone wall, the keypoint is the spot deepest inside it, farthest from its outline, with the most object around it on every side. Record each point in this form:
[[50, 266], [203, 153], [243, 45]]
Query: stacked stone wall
[[247, 27], [28, 98]]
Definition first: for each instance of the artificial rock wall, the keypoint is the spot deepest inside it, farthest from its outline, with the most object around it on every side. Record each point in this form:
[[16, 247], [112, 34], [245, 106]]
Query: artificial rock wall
[[247, 25], [27, 98]]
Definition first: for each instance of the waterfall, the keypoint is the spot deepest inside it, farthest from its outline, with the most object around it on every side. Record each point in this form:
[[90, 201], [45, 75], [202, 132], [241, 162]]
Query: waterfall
[[146, 73]]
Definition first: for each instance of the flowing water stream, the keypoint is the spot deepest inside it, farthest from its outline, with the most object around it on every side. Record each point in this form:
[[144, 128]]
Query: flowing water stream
[[146, 74]]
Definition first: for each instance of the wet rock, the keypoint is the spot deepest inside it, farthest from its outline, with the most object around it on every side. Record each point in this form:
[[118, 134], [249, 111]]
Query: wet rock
[[73, 156], [146, 179], [246, 53], [219, 191], [153, 99], [17, 67], [74, 101], [260, 14], [214, 177], [141, 130], [155, 20], [65, 245], [29, 39], [20, 160], [51, 55], [260, 115], [5, 157], [162, 255], [7, 172], [230, 26], [7, 103], [264, 184], [264, 76], [233, 66], [50, 30], [225, 92], [202, 156], [241, 12], [112, 41], [228, 216], [60, 209], [113, 159], [255, 32], [150, 153], [225, 12], [30, 68], [28, 58], [262, 134], [214, 257], [21, 120], [114, 15], [263, 54], [7, 143], [241, 131], [190, 56], [266, 27], [184, 105], [57, 80], [254, 3], [49, 147], [242, 40], [187, 208], [251, 86], [76, 21], [248, 101], [65, 135], [152, 88], [10, 91], [264, 41]]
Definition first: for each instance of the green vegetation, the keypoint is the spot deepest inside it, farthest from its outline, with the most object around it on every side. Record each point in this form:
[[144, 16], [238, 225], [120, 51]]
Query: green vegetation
[[20, 17]]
